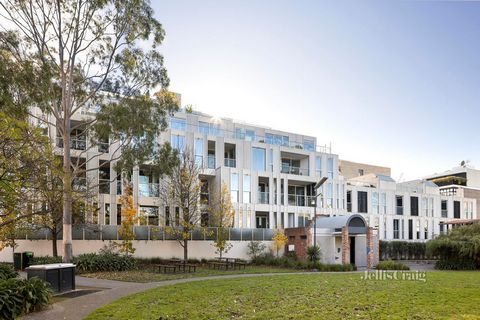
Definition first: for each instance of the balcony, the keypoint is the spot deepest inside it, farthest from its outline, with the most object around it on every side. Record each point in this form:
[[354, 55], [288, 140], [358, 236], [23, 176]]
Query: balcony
[[231, 163], [75, 144], [149, 190], [399, 210], [300, 200], [294, 170], [211, 161], [263, 197]]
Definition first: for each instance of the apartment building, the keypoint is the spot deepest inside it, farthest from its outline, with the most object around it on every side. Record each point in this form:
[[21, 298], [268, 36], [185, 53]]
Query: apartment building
[[271, 176], [414, 210]]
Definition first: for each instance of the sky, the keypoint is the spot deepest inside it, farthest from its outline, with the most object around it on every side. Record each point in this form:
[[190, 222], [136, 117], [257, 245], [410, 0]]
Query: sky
[[393, 83]]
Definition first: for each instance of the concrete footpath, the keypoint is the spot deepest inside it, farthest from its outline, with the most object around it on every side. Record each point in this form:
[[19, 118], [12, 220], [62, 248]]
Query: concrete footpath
[[79, 307]]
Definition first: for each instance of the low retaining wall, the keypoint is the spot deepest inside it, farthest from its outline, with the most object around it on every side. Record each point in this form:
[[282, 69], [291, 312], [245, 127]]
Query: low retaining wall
[[144, 249]]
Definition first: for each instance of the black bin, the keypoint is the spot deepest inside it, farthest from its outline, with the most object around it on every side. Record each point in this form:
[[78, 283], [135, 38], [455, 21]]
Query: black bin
[[60, 276], [21, 260]]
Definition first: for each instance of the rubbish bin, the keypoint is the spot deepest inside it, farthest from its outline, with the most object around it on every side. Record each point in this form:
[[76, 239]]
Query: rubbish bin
[[60, 276], [21, 260]]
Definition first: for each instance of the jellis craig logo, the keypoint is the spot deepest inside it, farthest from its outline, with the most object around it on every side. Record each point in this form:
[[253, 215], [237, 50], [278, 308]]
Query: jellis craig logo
[[383, 275]]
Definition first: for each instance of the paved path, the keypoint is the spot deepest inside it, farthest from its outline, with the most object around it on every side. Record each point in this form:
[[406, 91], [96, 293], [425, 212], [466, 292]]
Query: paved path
[[79, 307]]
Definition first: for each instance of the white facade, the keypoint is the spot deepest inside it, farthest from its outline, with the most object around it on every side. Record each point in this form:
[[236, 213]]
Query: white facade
[[270, 175]]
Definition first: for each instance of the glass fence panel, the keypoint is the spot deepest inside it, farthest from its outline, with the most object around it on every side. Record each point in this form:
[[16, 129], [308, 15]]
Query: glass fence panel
[[92, 232], [247, 235], [77, 232], [235, 234], [141, 232], [267, 234], [198, 234], [109, 232], [258, 234], [156, 233]]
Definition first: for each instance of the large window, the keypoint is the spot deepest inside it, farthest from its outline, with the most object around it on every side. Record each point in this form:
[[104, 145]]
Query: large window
[[178, 124], [444, 209], [410, 229], [414, 206], [396, 231], [375, 202], [329, 195], [244, 134], [318, 166], [246, 188], [308, 145], [399, 203], [362, 202], [199, 152], [178, 142], [330, 168], [349, 201], [258, 159], [277, 139], [456, 209], [383, 203], [234, 187], [149, 215], [107, 214]]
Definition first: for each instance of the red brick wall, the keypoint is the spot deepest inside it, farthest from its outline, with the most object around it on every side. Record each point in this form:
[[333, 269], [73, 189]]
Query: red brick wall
[[295, 236]]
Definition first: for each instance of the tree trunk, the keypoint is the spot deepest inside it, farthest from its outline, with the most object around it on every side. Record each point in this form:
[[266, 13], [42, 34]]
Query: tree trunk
[[185, 250], [54, 242], [67, 196]]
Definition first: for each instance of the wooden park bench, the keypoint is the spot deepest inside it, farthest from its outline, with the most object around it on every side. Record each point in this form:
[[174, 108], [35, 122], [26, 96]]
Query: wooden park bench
[[218, 265], [167, 268]]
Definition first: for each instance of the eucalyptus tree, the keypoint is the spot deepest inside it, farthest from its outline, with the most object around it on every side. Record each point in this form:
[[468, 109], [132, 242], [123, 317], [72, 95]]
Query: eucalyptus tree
[[87, 55]]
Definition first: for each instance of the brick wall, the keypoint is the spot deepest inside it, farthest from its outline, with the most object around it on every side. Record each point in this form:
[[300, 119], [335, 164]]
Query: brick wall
[[301, 238]]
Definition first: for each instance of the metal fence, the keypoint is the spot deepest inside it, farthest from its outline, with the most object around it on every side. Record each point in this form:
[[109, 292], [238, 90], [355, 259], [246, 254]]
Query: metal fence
[[147, 233]]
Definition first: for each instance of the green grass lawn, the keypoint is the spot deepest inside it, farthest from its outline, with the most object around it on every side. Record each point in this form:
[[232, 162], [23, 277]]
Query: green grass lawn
[[150, 274], [445, 295]]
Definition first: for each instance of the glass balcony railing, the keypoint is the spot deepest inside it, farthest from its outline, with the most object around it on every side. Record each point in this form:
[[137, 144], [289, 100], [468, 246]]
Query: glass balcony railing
[[149, 190], [230, 163], [75, 144], [294, 170], [300, 200], [263, 197], [211, 161], [399, 210]]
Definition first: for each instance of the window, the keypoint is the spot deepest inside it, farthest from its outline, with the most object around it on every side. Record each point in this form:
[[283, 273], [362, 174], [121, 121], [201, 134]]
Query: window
[[410, 229], [361, 172], [418, 229], [178, 124], [444, 209], [178, 142], [349, 201], [234, 187], [425, 207], [399, 202], [246, 188], [414, 206], [167, 216], [330, 168], [431, 207], [258, 159], [199, 152], [208, 128], [308, 145], [149, 216], [329, 195], [277, 139], [383, 203], [318, 166], [362, 202], [396, 231], [107, 214], [375, 202], [425, 230], [456, 209], [244, 134], [119, 214], [177, 216], [271, 159]]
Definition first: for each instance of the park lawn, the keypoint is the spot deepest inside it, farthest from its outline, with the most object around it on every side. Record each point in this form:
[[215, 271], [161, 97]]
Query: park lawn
[[150, 274], [444, 295]]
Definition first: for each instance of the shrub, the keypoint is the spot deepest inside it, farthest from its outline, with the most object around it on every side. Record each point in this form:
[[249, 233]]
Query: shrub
[[313, 253], [269, 259], [20, 296], [255, 249], [402, 250], [391, 265], [7, 272], [455, 265], [92, 262], [45, 260]]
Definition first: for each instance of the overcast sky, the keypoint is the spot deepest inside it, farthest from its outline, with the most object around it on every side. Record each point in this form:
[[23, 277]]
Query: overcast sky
[[393, 83]]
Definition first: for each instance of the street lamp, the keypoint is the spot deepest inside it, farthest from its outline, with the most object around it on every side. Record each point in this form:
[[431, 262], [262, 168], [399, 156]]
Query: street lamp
[[314, 203]]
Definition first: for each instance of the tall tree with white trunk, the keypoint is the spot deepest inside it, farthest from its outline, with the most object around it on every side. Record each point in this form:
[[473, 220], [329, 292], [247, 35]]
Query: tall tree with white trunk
[[85, 56]]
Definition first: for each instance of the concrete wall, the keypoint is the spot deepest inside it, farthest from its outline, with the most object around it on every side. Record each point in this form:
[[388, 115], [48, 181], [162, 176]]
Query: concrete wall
[[144, 249]]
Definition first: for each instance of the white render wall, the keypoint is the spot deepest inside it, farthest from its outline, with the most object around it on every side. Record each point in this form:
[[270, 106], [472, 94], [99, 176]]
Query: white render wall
[[144, 249]]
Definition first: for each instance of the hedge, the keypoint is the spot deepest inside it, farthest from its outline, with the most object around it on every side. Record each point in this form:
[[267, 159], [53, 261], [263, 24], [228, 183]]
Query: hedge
[[402, 250], [288, 262], [92, 262], [391, 265]]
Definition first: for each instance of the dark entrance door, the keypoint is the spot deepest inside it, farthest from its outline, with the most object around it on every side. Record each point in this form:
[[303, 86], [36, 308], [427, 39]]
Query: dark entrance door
[[352, 250]]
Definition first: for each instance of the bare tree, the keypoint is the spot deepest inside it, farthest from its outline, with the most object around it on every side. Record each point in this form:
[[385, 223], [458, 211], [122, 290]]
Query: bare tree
[[90, 56], [181, 189]]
